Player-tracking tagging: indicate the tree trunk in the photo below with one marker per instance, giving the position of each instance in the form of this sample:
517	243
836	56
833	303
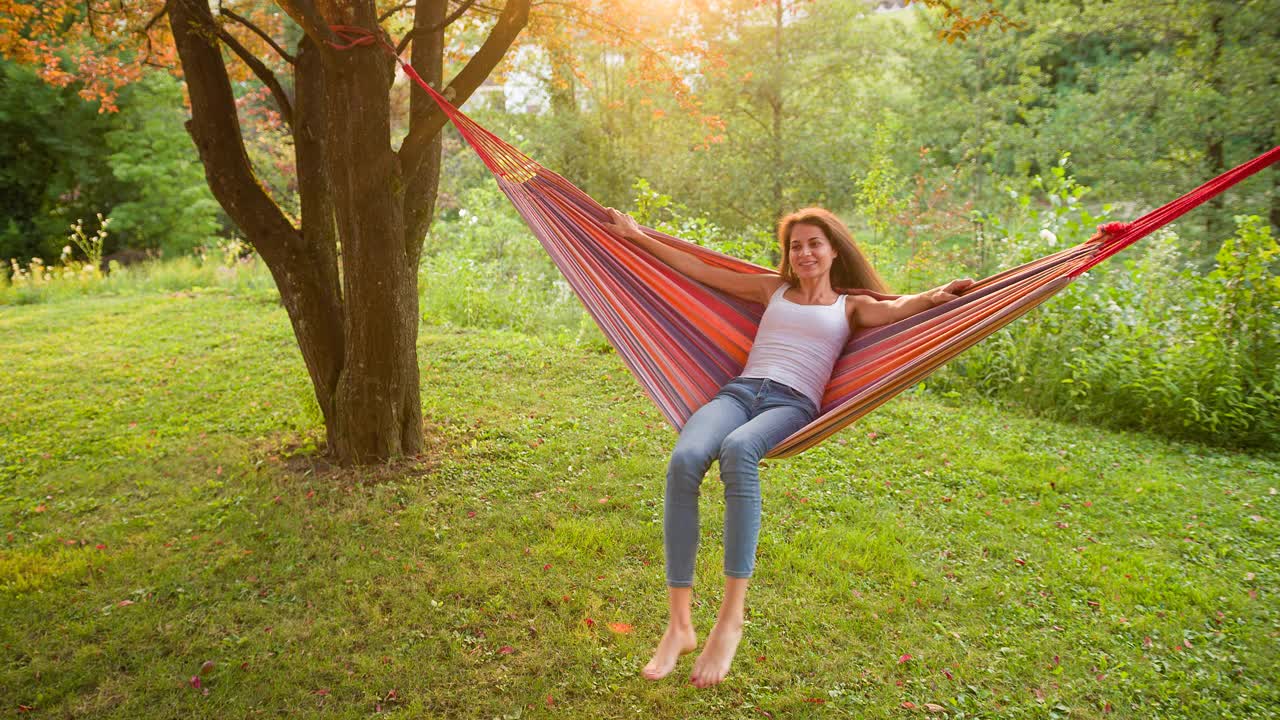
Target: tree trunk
358	338
377	411
775	105
348	275
1214	150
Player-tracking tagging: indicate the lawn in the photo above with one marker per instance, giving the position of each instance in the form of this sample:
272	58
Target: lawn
172	546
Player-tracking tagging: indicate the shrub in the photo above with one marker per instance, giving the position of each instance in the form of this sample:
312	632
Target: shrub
1145	341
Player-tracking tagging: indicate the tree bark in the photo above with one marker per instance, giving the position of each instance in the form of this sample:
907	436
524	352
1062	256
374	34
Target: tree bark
377	412
319	233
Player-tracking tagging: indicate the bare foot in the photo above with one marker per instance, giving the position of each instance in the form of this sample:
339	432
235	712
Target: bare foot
675	642
713	663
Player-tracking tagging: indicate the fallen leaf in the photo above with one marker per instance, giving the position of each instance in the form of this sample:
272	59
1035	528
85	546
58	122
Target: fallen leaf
934	708
195	682
206	667
321	691
506	650
619	627
904	658
909	705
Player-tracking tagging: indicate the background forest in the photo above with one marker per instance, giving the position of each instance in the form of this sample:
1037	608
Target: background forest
708	120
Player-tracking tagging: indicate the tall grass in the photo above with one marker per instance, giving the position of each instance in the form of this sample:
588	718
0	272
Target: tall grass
481	268
36	283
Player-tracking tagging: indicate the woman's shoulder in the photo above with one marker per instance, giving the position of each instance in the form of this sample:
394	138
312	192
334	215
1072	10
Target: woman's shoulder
776	288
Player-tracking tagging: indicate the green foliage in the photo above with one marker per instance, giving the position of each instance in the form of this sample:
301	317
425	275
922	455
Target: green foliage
168	205
1145	340
52	165
482	268
662	213
881	190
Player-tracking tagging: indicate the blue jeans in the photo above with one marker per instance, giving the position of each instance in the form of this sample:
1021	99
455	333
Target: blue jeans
737	426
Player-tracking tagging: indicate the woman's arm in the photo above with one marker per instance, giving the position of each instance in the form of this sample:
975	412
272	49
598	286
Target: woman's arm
869	312
754	287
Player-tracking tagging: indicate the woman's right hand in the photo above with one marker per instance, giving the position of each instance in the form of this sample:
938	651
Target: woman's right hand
622	224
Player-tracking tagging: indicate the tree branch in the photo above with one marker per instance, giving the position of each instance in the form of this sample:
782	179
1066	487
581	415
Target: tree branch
383	17
304	13
264	74
215	128
437	27
259	32
146	33
424	128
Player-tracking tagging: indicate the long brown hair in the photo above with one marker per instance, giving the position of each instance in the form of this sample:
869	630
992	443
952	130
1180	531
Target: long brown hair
849	270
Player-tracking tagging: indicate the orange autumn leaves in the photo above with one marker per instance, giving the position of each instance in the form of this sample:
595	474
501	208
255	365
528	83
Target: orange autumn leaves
102	46
620	628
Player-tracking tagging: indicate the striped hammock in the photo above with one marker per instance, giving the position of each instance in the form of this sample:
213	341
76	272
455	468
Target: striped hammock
683	340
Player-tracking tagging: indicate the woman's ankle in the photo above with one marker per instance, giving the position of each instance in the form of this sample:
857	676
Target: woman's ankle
685	625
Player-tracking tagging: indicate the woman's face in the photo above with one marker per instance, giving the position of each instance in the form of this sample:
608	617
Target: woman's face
810	253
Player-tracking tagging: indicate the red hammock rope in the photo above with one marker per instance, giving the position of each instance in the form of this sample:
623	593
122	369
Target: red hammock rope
683	340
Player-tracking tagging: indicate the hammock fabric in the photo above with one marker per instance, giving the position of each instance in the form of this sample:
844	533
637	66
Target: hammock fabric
683	340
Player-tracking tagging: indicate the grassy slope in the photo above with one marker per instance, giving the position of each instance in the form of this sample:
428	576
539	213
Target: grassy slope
172	429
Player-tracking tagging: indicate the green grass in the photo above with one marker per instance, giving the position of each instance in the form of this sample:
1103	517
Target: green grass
162	508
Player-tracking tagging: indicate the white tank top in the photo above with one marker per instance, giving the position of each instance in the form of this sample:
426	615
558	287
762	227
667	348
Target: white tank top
797	345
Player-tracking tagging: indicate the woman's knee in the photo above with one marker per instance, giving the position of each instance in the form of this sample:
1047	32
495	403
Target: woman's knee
740	451
687	466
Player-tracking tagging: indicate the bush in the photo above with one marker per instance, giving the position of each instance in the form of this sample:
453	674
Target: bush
482	268
1146	341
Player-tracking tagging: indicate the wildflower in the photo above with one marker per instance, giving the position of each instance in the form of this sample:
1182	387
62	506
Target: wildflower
1048	236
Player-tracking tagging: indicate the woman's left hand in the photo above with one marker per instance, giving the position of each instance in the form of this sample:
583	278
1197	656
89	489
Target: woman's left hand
948	292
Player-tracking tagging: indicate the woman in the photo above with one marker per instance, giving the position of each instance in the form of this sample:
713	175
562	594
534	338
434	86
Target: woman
805	326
